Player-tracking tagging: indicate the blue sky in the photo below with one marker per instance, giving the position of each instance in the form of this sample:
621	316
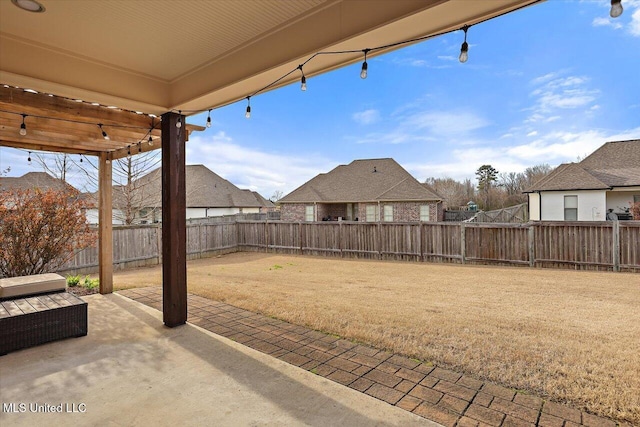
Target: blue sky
547	84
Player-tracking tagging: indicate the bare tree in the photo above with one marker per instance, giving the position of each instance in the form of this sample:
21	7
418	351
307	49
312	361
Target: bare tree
277	195
454	193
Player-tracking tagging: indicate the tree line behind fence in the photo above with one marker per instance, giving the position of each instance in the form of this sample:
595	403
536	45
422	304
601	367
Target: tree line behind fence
608	245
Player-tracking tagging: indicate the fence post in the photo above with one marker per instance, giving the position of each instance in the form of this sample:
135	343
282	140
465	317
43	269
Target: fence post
463	243
159	242
379	240
421	226
340	239
616	246
531	242
301	236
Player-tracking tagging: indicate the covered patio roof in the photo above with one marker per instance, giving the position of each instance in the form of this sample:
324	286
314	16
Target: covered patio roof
120	64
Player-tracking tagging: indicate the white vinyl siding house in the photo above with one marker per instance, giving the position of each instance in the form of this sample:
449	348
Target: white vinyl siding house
582	205
607	181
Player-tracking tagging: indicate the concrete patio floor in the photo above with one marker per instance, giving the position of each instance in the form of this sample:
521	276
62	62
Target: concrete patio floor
131	370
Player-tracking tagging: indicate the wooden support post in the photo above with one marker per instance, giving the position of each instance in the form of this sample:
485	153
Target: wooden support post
531	233
105	227
615	250
174	222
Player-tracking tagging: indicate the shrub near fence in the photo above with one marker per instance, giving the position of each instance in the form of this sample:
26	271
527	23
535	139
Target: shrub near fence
610	245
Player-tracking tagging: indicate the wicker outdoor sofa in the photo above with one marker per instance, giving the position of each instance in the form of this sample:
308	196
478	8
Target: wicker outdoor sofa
37	309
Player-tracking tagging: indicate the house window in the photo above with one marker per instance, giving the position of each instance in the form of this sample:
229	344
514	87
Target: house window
636	198
388	213
570	208
424	213
308	213
372	213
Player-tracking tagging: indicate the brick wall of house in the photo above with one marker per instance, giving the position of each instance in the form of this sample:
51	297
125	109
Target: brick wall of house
402	211
293	212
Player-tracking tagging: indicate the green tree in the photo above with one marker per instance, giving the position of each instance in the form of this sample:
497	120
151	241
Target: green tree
486	176
40	230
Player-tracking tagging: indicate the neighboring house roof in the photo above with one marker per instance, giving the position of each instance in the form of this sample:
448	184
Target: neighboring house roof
362	181
263	202
31	180
204	189
615	164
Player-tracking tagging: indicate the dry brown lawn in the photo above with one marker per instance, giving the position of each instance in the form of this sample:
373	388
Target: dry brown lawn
569	336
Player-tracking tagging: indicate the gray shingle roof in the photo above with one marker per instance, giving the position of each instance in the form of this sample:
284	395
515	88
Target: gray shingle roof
362	181
30	180
615	164
204	189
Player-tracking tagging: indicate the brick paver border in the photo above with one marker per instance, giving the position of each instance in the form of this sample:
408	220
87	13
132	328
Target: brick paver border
447	397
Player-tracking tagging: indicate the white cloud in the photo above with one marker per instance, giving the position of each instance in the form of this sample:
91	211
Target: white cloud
533	133
366	117
606	22
554	92
254	169
552	148
447	58
634	25
445	123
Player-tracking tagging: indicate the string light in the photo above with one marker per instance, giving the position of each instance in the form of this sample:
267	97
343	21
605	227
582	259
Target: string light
616	8
80	158
209	119
29	158
150	140
248	113
365	66
464	49
104	133
303	79
128	152
179	122
23	126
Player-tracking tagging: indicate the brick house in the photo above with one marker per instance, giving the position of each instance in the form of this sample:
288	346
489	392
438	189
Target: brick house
368	190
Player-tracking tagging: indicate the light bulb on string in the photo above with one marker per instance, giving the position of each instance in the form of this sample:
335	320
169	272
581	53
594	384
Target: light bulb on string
80	158
129	152
139	148
23	126
303	79
150	140
248	112
104	134
29	158
209	119
464	49
365	66
179	122
616	8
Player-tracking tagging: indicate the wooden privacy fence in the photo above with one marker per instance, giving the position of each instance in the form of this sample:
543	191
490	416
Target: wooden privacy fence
610	245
